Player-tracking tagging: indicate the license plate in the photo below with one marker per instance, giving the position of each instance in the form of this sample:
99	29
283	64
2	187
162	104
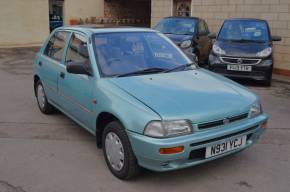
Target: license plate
226	146
239	68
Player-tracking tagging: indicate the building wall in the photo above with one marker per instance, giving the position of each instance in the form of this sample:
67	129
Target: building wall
277	12
160	9
26	22
23	22
76	9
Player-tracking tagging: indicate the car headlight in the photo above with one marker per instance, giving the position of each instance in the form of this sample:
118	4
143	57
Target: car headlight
265	53
256	110
185	44
217	50
163	129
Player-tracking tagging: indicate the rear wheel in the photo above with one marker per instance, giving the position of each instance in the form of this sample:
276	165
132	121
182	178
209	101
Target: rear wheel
118	153
42	102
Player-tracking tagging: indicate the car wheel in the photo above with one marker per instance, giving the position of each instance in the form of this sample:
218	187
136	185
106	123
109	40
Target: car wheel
118	152
42	102
268	81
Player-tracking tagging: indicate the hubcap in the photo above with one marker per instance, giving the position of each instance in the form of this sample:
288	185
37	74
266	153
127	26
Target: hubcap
114	151
40	96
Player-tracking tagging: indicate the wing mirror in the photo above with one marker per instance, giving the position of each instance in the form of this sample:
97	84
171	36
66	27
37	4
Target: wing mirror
78	68
276	38
212	36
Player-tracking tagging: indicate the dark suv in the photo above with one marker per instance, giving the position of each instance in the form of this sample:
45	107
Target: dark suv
244	49
190	34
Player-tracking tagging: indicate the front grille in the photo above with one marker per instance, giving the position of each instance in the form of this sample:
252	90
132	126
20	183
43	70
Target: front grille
245	61
222	121
226	136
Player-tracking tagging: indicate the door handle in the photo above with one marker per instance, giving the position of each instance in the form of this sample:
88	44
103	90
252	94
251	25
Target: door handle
62	75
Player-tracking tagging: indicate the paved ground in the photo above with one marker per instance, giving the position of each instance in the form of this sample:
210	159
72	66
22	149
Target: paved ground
41	153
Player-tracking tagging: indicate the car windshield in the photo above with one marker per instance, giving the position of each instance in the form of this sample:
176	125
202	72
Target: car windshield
244	31
178	26
122	53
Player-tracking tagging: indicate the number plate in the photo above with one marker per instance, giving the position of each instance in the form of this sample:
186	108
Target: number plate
239	68
226	146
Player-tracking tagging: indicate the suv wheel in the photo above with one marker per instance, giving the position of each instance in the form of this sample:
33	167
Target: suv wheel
118	152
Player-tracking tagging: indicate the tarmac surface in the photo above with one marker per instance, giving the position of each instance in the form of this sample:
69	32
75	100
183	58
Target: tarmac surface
40	153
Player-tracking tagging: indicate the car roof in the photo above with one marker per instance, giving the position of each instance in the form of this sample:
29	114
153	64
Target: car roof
180	17
100	28
245	19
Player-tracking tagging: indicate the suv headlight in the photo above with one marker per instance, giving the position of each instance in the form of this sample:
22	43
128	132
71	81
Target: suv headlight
265	53
185	44
255	110
217	50
163	129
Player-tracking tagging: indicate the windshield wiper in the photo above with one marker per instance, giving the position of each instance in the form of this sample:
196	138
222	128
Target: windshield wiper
179	67
246	40
143	71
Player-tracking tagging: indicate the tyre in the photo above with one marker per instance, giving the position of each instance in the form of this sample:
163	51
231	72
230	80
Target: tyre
42	102
118	153
267	82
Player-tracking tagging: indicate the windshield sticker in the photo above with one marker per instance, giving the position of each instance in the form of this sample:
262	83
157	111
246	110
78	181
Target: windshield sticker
163	55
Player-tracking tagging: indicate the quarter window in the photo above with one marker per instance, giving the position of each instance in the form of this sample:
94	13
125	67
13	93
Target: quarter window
78	51
55	46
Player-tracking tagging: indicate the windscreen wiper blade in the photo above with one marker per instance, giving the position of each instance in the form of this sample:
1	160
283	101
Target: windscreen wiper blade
179	67
143	71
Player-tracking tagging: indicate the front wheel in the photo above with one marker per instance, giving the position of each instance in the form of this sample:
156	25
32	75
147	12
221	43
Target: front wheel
118	152
42	102
268	81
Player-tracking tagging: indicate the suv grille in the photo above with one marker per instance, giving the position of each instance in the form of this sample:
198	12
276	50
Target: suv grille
222	121
246	61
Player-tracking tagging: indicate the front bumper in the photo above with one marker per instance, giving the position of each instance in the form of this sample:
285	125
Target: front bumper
260	72
146	148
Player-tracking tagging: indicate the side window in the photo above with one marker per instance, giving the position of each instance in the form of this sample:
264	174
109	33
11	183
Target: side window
55	46
202	28
78	50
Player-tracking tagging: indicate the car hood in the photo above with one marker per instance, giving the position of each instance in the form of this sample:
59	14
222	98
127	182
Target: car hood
178	39
242	49
197	95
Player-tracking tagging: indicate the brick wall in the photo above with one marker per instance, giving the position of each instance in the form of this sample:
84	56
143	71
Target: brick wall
160	9
277	12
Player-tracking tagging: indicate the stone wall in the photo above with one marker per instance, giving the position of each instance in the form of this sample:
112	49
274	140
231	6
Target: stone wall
277	12
128	9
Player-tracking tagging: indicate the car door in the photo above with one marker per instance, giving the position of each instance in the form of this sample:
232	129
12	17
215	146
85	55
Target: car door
51	63
203	41
76	90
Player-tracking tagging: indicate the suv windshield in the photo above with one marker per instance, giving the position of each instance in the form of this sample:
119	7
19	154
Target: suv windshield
178	26
131	53
244	31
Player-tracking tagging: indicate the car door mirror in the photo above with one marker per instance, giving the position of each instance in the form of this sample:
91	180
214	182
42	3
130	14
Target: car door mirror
77	68
276	38
212	36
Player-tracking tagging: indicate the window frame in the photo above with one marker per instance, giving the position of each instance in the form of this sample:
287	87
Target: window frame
68	46
61	61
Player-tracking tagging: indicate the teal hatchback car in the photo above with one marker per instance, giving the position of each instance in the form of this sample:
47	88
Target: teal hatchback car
146	103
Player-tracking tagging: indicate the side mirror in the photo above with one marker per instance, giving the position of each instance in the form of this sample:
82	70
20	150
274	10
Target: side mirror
77	68
276	38
212	36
